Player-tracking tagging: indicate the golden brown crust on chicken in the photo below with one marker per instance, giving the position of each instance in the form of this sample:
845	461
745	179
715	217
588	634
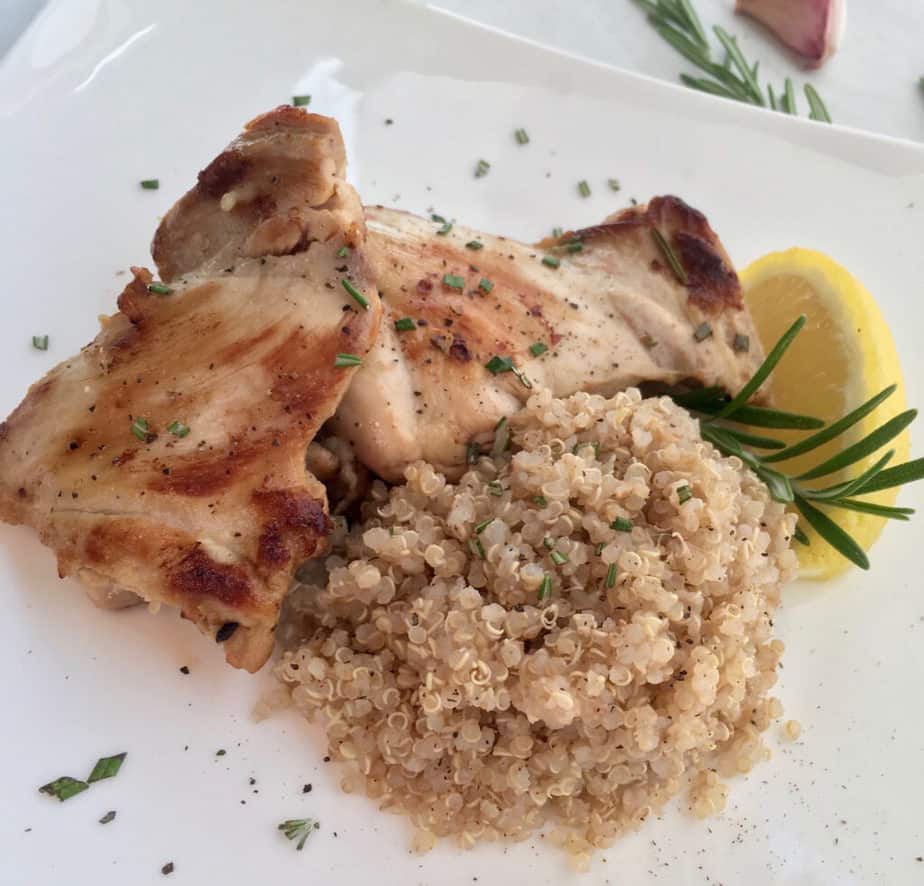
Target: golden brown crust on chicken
242	352
612	314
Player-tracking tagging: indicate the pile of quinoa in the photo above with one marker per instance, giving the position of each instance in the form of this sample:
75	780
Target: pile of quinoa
576	631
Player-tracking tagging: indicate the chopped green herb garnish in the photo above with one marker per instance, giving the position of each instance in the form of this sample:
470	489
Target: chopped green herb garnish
540	500
684	494
356	294
472	453
557	232
741	342
537	349
220	752
140	429
558	558
599	548
496	365
107	767
445	229
550	261
64	787
501	437
453	281
484	524
611	575
583	188
622	524
482	168
614	184
299	829
545	588
474	244
150	184
548	543
476	547
702	332
495	488
437	218
159	289
40	342
178	429
301	101
670	256
405	324
347	360
485	285
576	246
521	136
343	252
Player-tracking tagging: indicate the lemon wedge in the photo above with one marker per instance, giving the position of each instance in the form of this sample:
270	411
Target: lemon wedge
843	356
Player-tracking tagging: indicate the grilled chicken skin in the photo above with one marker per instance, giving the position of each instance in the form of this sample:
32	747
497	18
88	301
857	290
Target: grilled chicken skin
599	310
167	459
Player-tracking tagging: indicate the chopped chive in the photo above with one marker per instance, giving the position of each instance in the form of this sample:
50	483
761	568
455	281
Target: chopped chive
583	188
622	524
741	343
482	168
474	244
670	256
159	288
496	365
301	101
557	232
64	787
550	261
614	184
548	543
599	548
521	136
107	767
538	348
684	494
453	281
577	246
484	524
437	218
702	332
647	340
501	438
347	360
540	500
343	252
40	342
150	184
545	588
558	558
298	829
139	428
476	547
495	488
445	229
178	429
472	453
405	324
357	295
611	575
485	285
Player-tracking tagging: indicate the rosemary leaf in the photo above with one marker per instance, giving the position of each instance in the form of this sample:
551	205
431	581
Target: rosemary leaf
832	533
817	109
779	485
909	472
748	74
799	535
868	507
850	487
754	440
764	417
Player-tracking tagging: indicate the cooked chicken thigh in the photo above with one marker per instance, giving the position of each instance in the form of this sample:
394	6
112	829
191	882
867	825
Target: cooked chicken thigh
598	310
167	458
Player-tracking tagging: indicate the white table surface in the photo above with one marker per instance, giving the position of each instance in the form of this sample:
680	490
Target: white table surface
871	83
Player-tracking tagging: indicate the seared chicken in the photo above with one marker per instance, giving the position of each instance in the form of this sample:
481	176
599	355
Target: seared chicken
597	310
167	459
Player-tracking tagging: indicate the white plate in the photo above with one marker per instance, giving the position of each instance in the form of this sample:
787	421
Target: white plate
101	93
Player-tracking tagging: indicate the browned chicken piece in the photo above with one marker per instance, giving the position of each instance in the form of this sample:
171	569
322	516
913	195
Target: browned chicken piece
167	458
597	310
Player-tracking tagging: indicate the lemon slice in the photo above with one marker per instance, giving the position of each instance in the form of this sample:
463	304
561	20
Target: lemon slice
843	356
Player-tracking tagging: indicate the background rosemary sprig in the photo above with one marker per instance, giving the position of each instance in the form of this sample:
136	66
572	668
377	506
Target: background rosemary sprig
734	77
720	413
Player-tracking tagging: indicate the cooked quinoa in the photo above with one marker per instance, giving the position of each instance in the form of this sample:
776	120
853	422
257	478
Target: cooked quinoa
577	630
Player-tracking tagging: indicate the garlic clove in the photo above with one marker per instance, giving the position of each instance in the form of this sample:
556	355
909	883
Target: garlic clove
812	28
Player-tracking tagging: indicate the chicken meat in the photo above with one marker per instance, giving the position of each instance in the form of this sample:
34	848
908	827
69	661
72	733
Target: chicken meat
166	460
648	296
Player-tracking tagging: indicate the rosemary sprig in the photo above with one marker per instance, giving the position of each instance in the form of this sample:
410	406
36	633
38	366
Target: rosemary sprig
678	24
715	406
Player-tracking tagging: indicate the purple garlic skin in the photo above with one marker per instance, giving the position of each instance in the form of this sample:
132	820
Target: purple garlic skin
812	28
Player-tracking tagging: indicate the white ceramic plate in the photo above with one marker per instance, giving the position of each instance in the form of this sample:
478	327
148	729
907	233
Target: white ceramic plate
101	93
